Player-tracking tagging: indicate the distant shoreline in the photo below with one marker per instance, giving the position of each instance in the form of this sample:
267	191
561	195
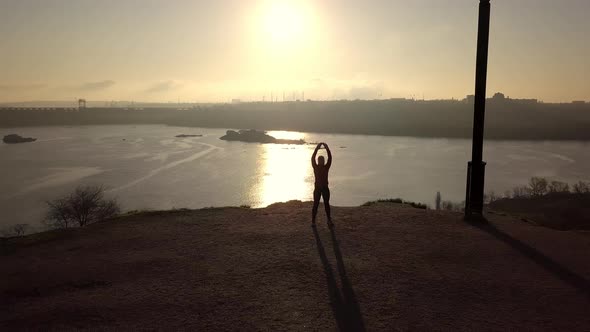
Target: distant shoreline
504	121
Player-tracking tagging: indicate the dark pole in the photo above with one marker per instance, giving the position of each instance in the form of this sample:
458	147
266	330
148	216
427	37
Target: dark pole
476	168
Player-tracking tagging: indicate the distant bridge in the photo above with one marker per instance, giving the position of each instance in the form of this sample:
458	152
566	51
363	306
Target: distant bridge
29	108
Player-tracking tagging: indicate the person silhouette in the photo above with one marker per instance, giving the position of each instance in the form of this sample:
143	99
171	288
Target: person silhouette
320	171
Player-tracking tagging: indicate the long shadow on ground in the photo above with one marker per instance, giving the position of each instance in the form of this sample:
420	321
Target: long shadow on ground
345	307
560	271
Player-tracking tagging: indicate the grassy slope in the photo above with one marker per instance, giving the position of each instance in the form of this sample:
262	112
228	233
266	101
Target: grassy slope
384	267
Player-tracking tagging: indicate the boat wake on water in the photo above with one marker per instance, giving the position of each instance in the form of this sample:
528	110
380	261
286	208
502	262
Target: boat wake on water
168	166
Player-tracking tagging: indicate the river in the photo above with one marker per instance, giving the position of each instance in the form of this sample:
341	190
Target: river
147	167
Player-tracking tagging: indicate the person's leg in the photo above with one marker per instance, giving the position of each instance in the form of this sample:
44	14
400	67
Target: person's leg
326	196
316	203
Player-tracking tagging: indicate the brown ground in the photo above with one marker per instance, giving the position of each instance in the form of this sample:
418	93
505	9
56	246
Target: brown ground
384	267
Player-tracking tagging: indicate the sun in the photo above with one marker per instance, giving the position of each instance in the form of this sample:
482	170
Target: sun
282	40
285	23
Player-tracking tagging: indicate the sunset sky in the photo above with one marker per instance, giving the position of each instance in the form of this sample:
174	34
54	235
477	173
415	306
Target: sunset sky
213	51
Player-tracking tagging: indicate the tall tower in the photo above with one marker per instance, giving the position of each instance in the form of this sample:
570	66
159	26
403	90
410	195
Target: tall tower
81	104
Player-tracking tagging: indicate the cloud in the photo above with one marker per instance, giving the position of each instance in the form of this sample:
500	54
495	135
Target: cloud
164	86
17	87
100	85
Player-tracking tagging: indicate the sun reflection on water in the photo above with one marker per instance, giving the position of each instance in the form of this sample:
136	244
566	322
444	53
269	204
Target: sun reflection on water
284	171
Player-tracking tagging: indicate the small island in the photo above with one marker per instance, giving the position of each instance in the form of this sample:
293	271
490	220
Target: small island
14	139
188	135
254	136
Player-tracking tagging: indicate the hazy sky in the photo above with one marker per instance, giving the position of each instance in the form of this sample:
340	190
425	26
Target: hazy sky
156	50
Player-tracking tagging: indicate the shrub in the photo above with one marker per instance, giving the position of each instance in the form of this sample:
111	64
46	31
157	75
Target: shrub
15	230
537	186
452	206
387	200
447	205
391	200
558	187
397	200
86	205
20	229
417	205
490	197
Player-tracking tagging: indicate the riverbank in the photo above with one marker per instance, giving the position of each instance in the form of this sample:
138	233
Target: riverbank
383	267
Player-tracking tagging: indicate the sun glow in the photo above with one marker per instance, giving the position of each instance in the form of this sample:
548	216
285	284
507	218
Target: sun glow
285	171
282	44
286	24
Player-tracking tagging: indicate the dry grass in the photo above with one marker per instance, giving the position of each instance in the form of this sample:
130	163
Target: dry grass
562	211
384	267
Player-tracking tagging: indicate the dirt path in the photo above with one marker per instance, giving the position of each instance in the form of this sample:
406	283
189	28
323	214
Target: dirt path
384	267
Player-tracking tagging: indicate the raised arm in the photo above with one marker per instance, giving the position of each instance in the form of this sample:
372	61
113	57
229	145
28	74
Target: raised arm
315	152
329	163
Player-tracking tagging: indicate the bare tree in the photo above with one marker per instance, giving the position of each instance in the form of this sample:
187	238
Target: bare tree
581	187
558	187
59	214
84	206
520	192
538	186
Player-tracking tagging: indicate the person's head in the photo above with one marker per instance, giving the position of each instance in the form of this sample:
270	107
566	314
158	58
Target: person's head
321	160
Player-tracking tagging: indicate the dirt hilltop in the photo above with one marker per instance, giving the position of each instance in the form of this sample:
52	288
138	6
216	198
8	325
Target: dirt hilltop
383	267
